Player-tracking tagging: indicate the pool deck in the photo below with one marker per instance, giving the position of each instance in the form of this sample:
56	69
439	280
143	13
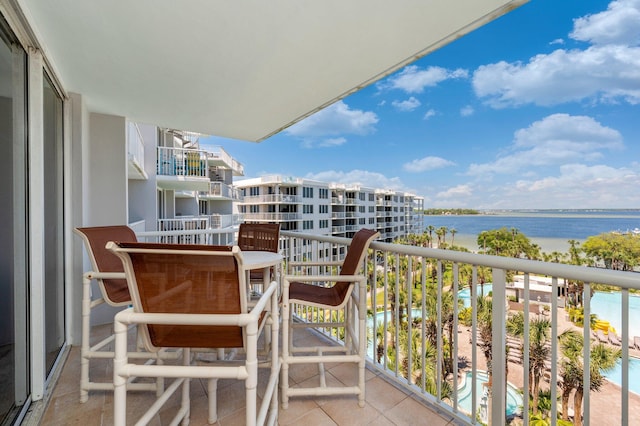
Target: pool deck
605	405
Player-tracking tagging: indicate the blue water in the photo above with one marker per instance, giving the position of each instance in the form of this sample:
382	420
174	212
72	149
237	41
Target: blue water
615	376
576	225
514	398
608	306
465	293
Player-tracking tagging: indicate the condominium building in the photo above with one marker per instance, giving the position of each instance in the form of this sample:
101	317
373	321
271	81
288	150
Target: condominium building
322	208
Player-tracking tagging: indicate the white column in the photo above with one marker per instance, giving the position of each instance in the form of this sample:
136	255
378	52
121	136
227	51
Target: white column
36	222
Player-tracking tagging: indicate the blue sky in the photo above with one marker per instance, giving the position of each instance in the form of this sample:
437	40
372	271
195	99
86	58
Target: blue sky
538	109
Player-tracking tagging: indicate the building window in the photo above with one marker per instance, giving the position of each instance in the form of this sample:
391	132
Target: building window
361	196
307	192
324	208
324	224
254	191
307	209
307	224
323	193
362	221
361	209
254	209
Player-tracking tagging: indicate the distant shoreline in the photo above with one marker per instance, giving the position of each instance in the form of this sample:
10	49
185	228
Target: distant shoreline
547	245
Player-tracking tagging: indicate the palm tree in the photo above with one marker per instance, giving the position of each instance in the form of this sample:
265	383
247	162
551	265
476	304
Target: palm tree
431	228
539	350
453	233
603	358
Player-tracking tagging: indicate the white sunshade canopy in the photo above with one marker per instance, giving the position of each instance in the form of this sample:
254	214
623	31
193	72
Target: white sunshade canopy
242	69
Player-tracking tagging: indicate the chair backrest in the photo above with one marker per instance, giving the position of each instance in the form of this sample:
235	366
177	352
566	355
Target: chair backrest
185	279
353	260
259	236
114	291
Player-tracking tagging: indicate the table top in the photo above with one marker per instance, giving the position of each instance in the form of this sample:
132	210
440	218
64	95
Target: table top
260	259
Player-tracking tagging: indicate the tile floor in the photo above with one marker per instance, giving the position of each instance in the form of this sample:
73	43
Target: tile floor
385	404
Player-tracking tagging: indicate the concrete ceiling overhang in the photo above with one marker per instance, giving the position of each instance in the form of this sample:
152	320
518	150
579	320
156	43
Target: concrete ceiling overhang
240	69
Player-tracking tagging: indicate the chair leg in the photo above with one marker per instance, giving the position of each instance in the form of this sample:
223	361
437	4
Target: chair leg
119	382
212	390
86	331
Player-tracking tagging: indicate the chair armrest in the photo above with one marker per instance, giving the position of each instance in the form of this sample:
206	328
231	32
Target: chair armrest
93	275
261	303
328	263
324	278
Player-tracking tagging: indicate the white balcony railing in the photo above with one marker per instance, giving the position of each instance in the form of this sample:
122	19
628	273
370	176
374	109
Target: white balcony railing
272	217
404	273
222	190
135	145
181	162
272	199
416	292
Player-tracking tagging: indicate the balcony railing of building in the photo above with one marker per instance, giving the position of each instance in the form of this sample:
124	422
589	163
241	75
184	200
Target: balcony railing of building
181	162
222	190
220	221
135	148
272	217
218	153
417	292
272	199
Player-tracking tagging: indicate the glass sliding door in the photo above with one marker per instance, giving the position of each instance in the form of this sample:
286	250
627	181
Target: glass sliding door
54	222
14	337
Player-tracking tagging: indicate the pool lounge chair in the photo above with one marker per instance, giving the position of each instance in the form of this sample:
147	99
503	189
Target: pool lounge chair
614	339
601	337
636	342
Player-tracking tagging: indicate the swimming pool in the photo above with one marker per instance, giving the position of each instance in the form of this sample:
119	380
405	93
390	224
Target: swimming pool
514	398
465	294
608	306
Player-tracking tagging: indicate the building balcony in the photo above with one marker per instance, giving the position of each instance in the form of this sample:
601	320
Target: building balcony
221	191
217	157
272	217
419	377
182	169
272	199
135	153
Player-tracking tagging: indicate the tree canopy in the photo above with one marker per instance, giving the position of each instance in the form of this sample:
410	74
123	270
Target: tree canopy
507	242
615	250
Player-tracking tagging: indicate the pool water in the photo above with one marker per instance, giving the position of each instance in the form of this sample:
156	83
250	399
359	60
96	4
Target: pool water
608	307
465	294
514	398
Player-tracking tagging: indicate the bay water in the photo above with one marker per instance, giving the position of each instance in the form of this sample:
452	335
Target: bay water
550	229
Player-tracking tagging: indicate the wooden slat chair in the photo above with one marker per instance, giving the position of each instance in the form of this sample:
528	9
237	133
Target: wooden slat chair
259	237
348	295
107	270
194	297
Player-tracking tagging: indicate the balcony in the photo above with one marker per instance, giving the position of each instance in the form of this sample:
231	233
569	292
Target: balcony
424	377
135	153
217	157
182	169
221	191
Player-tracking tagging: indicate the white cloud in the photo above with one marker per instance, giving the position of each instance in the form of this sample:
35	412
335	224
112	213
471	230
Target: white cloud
336	119
466	111
619	24
455	192
430	113
324	143
604	74
581	186
557	41
406	105
412	79
554	140
359	177
426	164
606	71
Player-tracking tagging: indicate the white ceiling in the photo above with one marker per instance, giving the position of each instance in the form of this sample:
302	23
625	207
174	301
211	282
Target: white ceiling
242	69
